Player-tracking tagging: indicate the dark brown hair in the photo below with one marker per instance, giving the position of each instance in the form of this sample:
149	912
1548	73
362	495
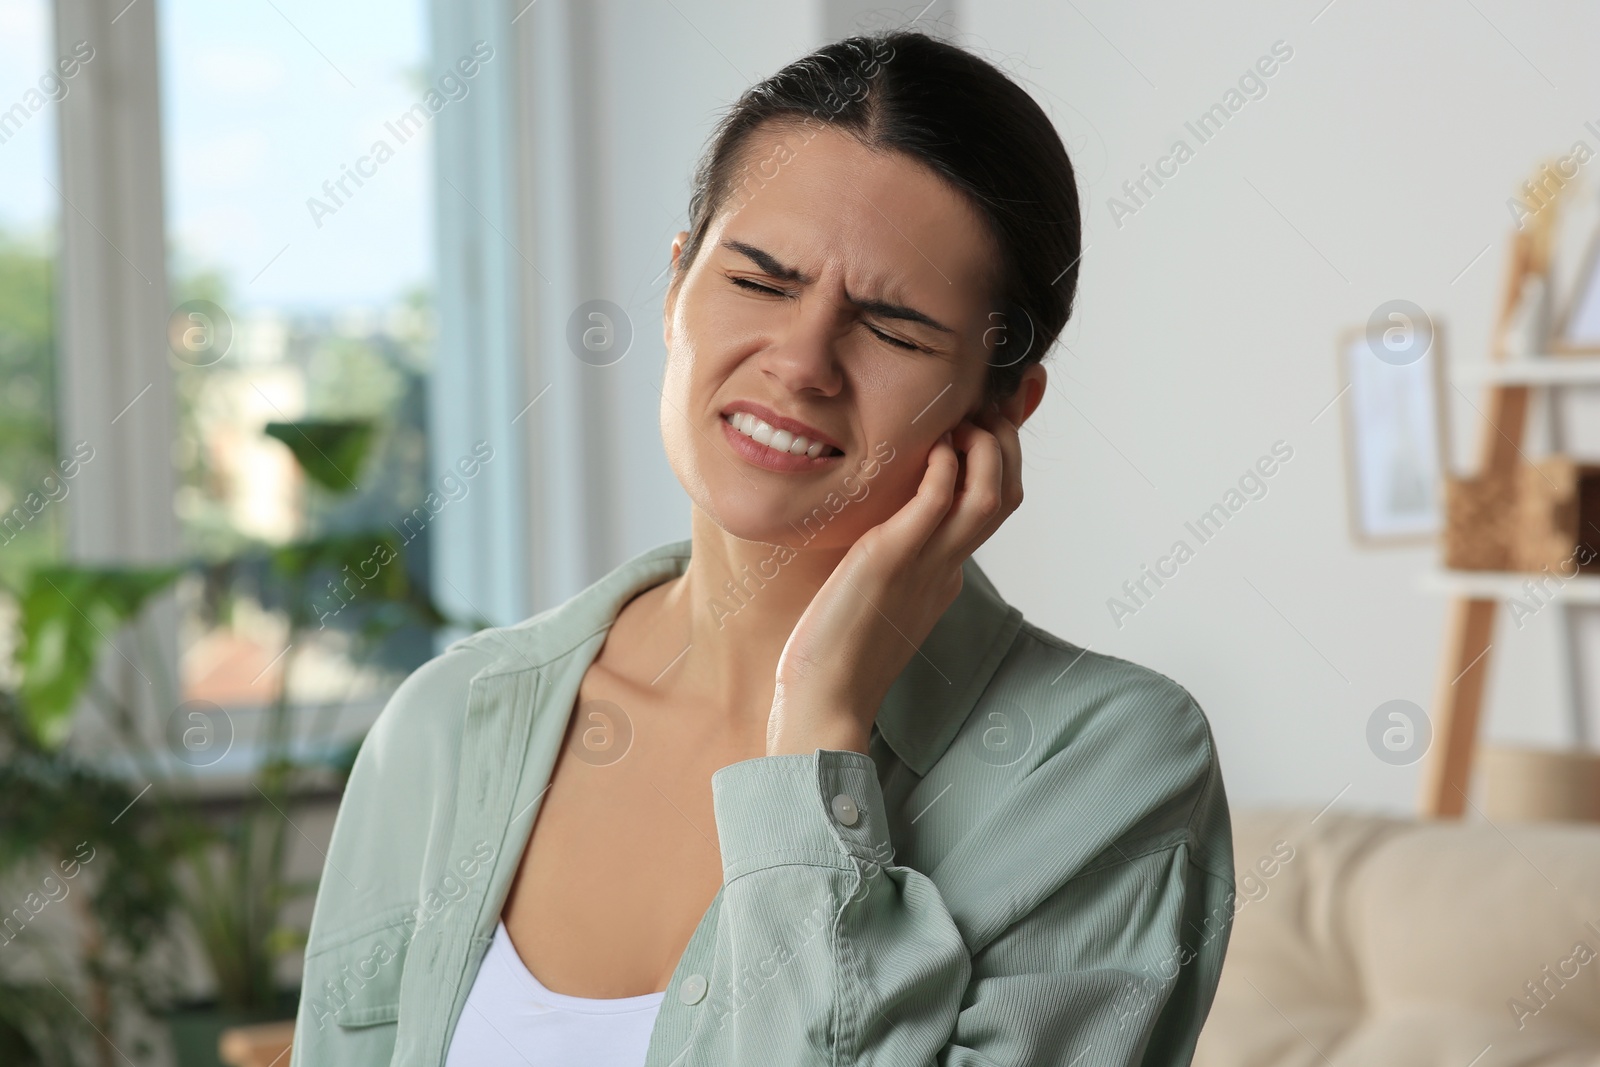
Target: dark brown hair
957	114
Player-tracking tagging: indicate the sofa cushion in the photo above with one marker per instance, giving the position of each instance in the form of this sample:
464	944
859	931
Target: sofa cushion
1369	939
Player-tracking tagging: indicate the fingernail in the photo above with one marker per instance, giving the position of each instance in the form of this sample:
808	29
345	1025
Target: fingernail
947	438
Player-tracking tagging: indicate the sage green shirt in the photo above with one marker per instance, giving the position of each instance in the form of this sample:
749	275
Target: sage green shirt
1032	866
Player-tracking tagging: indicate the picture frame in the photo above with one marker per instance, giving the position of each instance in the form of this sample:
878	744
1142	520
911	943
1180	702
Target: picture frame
1396	442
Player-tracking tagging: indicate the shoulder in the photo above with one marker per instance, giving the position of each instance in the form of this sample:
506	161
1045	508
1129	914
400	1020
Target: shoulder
427	707
409	760
1075	683
390	805
1075	767
1123	738
401	791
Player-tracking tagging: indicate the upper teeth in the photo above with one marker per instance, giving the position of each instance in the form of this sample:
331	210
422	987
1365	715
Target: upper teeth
782	440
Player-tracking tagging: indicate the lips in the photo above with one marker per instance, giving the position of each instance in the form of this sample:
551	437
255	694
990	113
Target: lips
768	458
794	427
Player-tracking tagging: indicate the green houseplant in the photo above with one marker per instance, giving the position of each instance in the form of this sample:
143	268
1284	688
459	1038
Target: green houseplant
229	881
72	838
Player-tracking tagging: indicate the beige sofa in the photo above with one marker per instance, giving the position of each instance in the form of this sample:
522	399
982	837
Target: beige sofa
1363	939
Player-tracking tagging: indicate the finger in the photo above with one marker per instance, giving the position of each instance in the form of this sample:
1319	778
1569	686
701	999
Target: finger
1010	438
909	528
978	506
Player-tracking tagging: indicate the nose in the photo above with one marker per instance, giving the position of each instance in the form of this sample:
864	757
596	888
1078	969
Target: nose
804	358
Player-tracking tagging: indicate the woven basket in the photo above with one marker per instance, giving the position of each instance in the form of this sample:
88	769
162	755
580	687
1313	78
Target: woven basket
1545	530
1479	516
1542	514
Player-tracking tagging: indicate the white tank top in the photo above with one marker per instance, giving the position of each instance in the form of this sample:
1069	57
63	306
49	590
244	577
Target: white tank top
511	1020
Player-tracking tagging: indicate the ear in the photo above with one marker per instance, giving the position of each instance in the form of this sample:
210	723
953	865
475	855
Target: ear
1025	399
667	305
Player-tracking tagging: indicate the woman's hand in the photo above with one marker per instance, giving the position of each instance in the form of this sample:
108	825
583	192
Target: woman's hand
882	600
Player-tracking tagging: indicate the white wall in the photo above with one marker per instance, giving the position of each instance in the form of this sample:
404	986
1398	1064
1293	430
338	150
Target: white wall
1390	142
1377	166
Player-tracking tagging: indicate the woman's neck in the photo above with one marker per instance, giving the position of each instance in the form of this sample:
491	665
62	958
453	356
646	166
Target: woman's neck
737	602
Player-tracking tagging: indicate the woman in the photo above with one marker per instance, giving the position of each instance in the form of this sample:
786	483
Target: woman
803	789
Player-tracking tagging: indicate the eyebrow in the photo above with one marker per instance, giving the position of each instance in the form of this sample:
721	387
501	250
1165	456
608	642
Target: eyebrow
772	268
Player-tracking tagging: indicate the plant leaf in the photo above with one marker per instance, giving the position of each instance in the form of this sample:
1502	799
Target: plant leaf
365	568
68	612
331	452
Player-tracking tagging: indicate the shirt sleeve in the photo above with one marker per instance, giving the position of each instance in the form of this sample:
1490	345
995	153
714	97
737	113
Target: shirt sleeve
828	937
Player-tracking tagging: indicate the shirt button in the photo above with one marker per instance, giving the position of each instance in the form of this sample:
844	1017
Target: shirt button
845	810
692	990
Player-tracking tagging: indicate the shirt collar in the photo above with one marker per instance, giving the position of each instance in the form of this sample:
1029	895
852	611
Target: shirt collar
919	718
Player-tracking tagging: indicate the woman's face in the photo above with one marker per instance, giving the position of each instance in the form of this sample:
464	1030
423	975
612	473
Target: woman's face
843	295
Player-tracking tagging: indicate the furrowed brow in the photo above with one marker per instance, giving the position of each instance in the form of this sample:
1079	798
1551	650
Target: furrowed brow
883	309
898	311
767	262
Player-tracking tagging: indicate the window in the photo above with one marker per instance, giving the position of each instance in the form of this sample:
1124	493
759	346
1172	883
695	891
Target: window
30	484
301	274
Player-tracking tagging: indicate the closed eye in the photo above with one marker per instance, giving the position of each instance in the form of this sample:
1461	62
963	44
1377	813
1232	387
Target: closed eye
893	340
757	287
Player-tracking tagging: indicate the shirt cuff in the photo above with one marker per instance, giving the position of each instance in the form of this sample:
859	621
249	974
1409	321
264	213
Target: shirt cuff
822	809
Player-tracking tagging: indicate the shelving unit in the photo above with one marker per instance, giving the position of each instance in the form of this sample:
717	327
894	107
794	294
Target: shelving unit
1477	595
1540	370
1506	585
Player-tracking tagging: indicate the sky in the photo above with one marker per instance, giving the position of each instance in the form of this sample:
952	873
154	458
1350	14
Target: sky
262	102
27	158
